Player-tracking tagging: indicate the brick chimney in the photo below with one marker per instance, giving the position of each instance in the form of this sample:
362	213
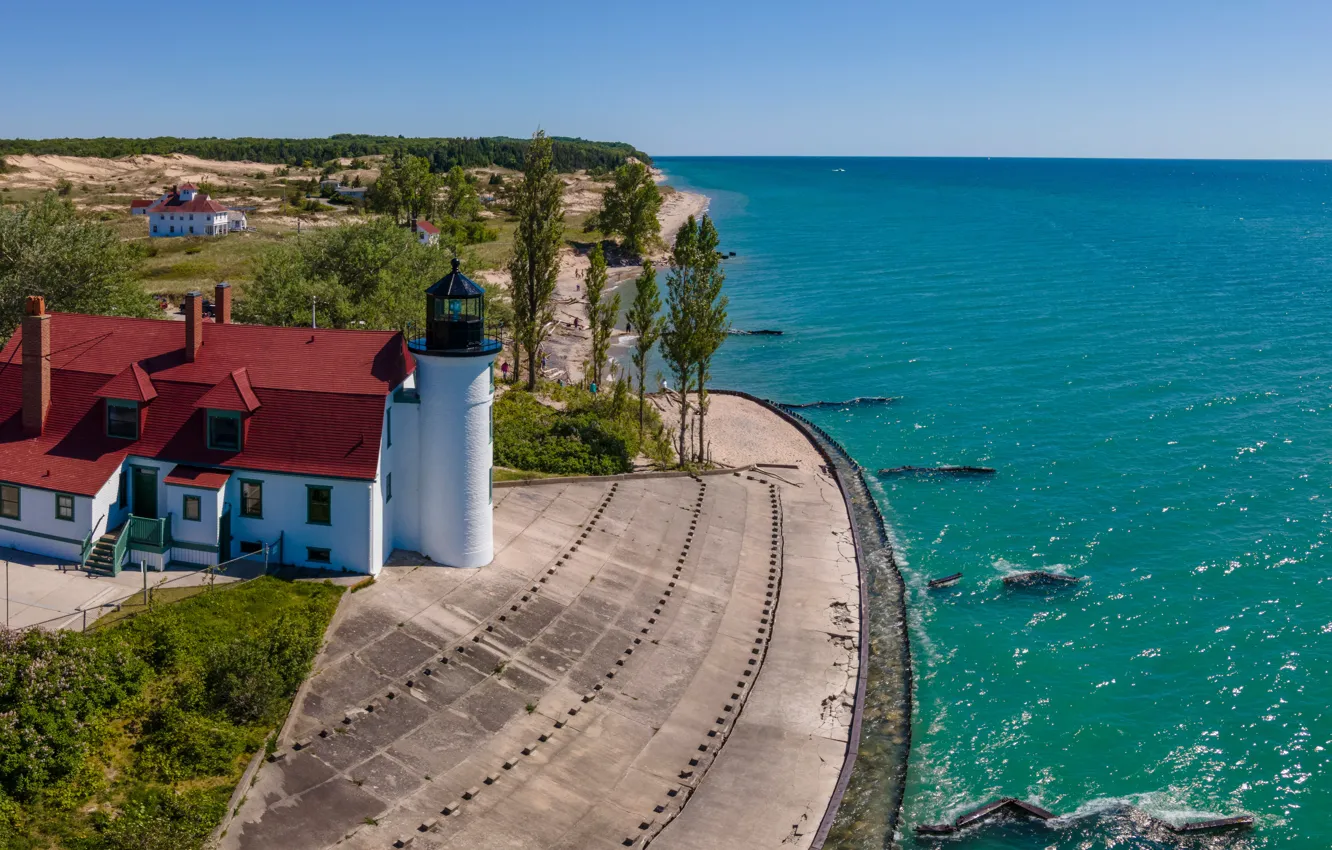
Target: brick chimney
193	310
36	366
222	303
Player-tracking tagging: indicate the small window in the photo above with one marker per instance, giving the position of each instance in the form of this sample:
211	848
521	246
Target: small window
122	419
189	508
65	507
154	228
9	501
492	424
249	547
388	488
491	497
389	428
319	505
224	430
252	499
318	556
191	226
492	378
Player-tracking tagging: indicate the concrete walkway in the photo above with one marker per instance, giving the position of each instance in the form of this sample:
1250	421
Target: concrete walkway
52	594
668	661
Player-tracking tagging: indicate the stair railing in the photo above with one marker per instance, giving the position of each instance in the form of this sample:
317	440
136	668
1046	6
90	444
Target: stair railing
121	552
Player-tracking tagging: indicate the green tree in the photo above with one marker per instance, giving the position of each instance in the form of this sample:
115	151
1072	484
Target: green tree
697	320
77	264
539	208
629	208
646	323
406	188
460	198
601	312
372	272
710	307
678	338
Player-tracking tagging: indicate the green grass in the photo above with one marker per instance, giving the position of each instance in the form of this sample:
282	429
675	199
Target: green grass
503	473
140	785
134	605
493	255
177	265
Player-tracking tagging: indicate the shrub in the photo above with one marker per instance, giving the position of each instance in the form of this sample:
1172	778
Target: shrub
583	439
249	677
159	819
179	744
54	692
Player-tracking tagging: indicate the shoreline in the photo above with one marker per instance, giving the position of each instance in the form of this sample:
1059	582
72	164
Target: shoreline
567	348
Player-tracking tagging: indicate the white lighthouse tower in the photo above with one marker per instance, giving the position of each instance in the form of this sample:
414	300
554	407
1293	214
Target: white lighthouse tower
455	380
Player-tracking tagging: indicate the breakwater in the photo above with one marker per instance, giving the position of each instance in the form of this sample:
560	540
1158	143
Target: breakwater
864	811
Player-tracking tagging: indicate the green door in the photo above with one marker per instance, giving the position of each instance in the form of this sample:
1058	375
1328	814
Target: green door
145	493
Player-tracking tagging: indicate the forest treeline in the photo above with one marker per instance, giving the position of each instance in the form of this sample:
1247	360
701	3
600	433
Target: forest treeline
443	154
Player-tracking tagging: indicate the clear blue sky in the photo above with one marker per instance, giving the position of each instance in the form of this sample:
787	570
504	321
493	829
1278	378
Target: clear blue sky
1134	78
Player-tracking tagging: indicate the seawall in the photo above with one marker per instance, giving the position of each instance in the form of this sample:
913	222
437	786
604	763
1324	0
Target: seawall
863	813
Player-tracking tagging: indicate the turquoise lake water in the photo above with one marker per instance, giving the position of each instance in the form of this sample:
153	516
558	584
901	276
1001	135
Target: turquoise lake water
1142	350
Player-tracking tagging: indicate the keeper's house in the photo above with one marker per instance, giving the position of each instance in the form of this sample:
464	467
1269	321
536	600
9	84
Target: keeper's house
137	439
186	212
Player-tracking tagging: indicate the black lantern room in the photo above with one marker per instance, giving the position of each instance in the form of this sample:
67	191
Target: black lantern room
456	316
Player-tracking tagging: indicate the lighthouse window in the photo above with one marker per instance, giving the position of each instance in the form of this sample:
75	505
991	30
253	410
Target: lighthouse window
455	308
319	505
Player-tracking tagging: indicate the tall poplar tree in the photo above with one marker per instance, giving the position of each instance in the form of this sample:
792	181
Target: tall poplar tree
538	205
644	321
601	312
678	339
710	311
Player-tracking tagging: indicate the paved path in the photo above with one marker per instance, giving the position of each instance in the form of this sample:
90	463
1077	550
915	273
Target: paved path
668	661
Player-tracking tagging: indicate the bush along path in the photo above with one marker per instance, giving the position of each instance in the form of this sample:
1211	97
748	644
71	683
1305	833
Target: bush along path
133	735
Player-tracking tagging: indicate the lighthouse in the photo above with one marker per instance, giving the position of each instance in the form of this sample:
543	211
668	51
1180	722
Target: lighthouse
455	381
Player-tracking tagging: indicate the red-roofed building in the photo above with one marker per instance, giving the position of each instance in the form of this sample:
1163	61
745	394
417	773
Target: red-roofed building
205	439
426	232
185	211
140	207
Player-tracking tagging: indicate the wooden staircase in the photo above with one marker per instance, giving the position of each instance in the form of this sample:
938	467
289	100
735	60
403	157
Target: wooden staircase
103	552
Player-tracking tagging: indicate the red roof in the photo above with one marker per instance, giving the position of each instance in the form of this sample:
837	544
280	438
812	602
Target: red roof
423	225
174	203
320	397
194	476
185	186
132	384
231	393
134	205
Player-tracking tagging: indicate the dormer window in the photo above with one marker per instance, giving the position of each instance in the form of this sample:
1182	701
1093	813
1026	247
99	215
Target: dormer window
224	430
122	419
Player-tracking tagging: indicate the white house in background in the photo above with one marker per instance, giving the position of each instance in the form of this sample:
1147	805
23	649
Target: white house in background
184	211
140	207
426	232
236	220
133	439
